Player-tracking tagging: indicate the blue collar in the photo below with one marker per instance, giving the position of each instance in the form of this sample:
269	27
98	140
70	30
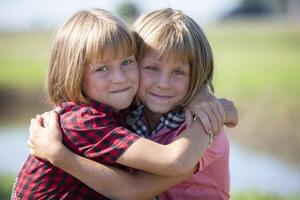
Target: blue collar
171	120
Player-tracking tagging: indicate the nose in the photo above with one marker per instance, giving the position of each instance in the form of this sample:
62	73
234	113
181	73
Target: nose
118	76
163	81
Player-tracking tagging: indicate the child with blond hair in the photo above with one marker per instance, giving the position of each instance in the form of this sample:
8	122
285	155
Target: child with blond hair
175	61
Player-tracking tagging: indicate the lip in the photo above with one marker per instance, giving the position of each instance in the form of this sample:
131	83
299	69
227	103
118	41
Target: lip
160	97
120	90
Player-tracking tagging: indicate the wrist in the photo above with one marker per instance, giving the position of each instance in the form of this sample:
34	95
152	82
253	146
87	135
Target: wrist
57	154
210	134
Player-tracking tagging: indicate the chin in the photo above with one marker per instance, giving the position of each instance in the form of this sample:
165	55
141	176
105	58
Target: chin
161	110
122	106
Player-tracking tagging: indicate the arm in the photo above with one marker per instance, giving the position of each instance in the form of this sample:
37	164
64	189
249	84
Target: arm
213	112
174	159
231	112
112	182
115	183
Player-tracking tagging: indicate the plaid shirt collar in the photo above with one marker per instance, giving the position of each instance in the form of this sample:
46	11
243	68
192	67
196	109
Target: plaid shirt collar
170	120
100	107
91	103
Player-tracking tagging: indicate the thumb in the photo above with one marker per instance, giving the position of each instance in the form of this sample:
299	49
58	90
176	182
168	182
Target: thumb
53	119
188	117
38	121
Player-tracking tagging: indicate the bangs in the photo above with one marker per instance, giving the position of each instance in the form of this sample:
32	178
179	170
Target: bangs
170	44
109	39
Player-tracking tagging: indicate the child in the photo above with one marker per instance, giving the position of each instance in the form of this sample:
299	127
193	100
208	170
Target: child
175	60
93	74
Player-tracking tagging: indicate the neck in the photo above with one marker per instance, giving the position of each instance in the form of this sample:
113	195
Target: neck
152	118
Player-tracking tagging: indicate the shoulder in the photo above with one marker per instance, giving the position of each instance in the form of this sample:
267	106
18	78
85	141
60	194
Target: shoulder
73	114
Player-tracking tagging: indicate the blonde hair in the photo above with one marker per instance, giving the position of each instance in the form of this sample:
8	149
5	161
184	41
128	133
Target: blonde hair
173	34
84	38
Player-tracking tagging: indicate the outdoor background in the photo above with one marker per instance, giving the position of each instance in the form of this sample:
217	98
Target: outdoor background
256	45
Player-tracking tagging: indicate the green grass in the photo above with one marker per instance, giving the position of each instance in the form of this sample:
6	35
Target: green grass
6	184
24	59
251	58
253	195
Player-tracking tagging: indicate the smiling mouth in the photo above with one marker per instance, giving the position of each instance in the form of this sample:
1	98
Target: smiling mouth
121	90
160	96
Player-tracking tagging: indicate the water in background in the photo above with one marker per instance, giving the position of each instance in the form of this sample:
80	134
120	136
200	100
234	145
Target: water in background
249	170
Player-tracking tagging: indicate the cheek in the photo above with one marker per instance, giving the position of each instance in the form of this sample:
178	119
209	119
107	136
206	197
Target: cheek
182	86
145	84
145	80
134	75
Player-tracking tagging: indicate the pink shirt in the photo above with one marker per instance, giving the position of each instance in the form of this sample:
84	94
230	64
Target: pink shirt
211	182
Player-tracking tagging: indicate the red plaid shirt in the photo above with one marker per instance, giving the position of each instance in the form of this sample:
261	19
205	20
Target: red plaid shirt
91	131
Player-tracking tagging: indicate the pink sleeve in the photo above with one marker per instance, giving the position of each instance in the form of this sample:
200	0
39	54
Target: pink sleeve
215	151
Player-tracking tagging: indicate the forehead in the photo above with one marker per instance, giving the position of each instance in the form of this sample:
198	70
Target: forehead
157	57
111	54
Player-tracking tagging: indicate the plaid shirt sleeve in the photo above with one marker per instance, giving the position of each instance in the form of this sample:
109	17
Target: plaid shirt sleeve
95	135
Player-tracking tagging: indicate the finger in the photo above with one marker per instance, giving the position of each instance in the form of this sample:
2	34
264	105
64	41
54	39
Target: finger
57	109
47	119
35	125
29	143
31	152
39	120
217	114
188	117
44	115
53	119
212	119
32	124
205	121
233	121
221	111
33	129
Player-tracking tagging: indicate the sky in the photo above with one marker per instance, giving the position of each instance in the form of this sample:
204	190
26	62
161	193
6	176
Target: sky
26	15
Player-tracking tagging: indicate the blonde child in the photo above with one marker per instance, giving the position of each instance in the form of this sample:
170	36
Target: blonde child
175	60
92	76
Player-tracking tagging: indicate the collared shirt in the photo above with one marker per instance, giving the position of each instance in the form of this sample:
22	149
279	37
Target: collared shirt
171	120
211	181
92	131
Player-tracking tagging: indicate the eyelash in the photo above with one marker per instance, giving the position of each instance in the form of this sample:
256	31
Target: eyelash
127	62
152	68
102	69
156	69
179	72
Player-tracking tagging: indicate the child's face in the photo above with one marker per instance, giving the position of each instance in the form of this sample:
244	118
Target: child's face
163	83
112	82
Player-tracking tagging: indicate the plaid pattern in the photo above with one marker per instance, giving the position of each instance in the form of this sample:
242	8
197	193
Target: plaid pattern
171	120
137	121
88	130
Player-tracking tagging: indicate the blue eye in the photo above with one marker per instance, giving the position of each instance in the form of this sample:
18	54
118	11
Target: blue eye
102	69
152	68
127	62
179	72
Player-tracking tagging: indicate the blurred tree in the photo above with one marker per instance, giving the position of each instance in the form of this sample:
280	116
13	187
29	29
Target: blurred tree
129	11
248	8
290	7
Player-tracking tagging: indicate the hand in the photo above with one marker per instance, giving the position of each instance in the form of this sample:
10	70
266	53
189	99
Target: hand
231	112
209	110
45	136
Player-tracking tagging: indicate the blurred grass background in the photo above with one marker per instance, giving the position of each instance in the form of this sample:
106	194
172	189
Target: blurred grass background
257	66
